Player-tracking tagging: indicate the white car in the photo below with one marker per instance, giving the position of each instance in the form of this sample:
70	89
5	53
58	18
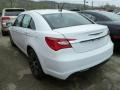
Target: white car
118	13
9	15
60	43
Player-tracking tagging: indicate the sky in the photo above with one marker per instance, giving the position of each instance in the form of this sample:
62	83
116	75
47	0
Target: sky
96	2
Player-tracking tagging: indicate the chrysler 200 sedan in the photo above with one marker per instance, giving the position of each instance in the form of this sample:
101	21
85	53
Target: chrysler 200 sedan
60	43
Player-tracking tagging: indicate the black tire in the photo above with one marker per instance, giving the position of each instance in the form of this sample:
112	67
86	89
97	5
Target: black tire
12	43
35	65
3	33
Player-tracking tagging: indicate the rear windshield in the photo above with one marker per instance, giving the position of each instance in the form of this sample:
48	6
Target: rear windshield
13	12
61	20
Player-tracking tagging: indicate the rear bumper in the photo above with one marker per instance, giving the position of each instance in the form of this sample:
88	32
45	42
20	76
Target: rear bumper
4	30
79	62
4	27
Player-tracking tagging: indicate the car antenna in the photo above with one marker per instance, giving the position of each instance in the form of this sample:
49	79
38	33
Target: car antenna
61	6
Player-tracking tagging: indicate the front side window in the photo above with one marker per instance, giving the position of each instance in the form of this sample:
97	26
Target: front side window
61	20
18	21
26	21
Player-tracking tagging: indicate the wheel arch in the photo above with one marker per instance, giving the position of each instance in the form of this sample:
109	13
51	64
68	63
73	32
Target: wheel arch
28	48
41	61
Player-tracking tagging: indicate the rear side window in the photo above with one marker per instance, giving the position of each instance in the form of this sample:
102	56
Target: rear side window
26	21
97	17
61	20
111	16
32	25
90	16
18	21
13	12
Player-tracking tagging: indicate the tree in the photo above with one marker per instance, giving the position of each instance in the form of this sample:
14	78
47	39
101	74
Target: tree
12	3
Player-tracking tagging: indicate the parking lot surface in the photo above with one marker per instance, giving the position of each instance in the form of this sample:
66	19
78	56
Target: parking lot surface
16	75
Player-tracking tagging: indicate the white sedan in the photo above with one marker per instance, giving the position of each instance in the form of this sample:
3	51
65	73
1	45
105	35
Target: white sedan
60	43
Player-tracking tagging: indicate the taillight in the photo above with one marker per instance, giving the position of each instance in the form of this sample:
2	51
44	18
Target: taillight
116	37
5	18
58	43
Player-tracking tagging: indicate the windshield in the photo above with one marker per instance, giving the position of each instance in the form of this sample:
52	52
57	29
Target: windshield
61	20
112	16
13	12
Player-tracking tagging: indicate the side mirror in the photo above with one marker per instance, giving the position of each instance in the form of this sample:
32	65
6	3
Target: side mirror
9	24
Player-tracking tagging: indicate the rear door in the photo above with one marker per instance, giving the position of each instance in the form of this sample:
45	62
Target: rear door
22	33
16	28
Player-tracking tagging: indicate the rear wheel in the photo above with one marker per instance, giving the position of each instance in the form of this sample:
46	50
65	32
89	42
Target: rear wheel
35	64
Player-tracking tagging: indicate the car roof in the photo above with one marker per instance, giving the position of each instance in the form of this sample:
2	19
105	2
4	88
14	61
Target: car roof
50	11
95	11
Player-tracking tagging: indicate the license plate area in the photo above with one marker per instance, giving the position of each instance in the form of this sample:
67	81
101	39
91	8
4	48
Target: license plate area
89	45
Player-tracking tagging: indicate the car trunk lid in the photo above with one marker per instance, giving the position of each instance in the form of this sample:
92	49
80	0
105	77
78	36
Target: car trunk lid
87	37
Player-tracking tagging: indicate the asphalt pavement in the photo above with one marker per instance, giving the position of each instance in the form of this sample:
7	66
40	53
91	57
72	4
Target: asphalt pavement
15	74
